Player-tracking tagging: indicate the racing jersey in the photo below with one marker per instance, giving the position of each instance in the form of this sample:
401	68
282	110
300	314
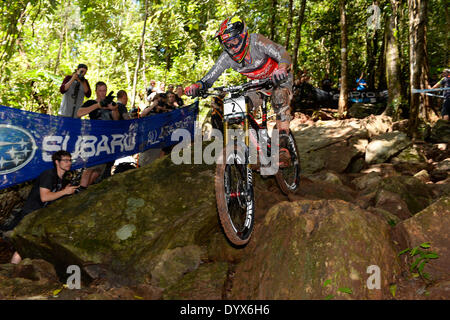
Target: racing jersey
265	55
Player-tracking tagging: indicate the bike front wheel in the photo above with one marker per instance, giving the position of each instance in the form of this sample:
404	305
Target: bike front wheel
234	196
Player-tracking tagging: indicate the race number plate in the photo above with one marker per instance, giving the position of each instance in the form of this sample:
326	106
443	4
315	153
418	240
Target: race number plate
234	107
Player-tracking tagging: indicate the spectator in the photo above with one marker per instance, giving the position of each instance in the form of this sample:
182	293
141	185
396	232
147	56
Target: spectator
326	84
157	88
157	105
72	95
151	88
95	109
134	113
162	88
445	83
122	100
169	88
103	108
179	91
361	84
47	188
172	101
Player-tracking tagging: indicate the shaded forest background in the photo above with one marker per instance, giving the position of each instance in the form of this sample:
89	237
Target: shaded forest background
128	42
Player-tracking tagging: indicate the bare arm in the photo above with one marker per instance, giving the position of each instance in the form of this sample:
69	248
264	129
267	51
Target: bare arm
147	110
438	84
84	111
114	111
87	88
48	195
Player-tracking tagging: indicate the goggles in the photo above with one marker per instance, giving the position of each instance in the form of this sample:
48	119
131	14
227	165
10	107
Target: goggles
232	43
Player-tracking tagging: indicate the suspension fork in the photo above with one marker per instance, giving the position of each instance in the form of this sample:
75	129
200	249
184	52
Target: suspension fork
264	112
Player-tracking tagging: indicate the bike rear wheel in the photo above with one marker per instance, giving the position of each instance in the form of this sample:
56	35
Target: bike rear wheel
234	196
288	178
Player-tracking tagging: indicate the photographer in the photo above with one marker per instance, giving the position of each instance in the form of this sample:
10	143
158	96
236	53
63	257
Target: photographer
74	88
47	188
103	108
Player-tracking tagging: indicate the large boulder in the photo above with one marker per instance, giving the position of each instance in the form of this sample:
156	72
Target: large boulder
315	250
336	145
410	161
416	194
327	147
402	196
363	110
440	132
432	225
142	226
205	283
441	170
384	146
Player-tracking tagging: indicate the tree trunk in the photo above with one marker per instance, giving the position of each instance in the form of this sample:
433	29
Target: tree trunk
417	20
447	18
136	71
144	78
61	37
301	15
127	73
372	50
380	77
343	95
393	67
289	25
273	16
425	110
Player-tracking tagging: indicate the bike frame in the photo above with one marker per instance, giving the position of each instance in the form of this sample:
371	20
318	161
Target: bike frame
249	122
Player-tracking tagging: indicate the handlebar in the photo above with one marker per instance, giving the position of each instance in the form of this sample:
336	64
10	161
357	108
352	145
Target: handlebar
252	85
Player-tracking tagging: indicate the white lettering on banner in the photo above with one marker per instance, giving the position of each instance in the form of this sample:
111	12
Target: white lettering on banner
50	144
167	131
88	146
117	142
103	146
85	147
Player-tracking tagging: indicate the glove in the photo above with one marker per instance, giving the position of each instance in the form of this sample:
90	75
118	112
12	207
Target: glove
109	98
279	75
193	89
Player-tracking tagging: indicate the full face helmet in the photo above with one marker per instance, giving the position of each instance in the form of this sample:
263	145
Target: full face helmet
233	36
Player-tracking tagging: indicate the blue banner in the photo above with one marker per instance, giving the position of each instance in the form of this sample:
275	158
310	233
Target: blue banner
28	139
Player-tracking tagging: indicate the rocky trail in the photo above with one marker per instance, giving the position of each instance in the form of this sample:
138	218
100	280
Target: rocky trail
367	193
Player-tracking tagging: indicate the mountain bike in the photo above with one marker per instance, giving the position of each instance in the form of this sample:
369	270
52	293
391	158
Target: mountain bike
247	146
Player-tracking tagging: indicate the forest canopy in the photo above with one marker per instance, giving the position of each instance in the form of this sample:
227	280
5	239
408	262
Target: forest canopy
44	40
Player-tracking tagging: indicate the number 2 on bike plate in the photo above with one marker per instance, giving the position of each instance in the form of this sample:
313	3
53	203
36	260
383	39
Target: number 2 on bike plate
234	106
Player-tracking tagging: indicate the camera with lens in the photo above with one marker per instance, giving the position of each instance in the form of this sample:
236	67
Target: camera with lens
81	76
73	177
108	100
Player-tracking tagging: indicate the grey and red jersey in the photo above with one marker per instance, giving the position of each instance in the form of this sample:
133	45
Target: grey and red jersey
265	55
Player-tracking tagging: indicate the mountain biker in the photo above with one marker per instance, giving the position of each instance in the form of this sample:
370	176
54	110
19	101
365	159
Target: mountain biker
256	57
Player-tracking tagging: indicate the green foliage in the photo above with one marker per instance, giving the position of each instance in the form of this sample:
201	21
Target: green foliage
43	40
329	282
420	259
